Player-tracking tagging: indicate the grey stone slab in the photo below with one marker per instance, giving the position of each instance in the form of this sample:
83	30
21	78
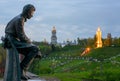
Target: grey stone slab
36	80
33	77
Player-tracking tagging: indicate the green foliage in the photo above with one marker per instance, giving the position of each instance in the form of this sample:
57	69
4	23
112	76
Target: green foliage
45	70
105	52
2	54
72	47
45	48
116	41
74	50
81	69
2	60
56	48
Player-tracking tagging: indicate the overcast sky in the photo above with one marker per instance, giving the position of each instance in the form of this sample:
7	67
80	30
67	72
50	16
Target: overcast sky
72	18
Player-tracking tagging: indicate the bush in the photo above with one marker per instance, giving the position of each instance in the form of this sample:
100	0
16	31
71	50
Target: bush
45	70
45	49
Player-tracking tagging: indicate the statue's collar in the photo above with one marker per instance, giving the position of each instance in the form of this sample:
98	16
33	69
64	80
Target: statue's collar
24	16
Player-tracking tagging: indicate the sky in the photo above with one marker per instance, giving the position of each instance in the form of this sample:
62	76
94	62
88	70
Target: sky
72	18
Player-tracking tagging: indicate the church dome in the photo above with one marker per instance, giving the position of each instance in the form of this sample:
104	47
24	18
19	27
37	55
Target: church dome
54	30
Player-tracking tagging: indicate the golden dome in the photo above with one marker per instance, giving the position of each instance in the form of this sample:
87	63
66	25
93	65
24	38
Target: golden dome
54	30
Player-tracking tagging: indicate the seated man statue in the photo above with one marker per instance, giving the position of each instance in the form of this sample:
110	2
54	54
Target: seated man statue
15	32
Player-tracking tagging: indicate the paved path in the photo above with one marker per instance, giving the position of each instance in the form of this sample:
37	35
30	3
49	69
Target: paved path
32	80
32	76
37	78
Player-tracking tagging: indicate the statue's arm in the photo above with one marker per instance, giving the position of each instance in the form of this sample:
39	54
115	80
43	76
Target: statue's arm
20	31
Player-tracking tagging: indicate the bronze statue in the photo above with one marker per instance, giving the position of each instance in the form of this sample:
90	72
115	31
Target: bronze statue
17	41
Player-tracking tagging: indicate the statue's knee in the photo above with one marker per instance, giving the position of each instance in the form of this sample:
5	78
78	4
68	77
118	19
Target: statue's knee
35	49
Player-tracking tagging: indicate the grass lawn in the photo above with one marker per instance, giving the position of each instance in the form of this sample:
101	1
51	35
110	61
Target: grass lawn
67	76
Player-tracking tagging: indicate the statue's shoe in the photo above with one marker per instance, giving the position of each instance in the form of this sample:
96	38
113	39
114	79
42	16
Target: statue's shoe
39	55
24	77
28	77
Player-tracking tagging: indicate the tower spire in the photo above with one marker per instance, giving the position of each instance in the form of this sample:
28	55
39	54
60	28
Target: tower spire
54	37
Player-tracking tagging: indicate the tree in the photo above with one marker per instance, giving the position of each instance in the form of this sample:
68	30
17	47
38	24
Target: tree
90	42
116	41
95	39
108	41
78	40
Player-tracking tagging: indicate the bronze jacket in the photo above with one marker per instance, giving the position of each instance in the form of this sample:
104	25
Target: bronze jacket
16	28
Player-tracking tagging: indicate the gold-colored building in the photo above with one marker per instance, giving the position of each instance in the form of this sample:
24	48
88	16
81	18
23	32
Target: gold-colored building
98	38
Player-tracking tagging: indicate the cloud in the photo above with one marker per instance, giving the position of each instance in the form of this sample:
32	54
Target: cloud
38	32
72	18
38	19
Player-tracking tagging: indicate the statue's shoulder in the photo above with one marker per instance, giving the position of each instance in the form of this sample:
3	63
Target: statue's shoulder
20	18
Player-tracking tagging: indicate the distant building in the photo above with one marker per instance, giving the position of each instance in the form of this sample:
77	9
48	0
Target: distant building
98	38
54	37
45	41
68	42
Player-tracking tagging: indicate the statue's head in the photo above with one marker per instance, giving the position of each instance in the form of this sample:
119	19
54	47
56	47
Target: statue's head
28	11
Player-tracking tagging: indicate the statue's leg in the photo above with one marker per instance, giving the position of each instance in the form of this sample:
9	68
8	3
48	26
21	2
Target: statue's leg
29	53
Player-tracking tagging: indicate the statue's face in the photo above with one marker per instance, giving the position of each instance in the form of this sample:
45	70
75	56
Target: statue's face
30	14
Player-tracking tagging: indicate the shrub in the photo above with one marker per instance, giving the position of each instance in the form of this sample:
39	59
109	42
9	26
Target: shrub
45	49
45	70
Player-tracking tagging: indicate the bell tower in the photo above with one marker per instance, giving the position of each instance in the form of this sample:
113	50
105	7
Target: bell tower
53	37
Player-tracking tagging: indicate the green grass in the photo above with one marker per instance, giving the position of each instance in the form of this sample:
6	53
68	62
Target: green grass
77	70
68	51
68	76
110	74
105	52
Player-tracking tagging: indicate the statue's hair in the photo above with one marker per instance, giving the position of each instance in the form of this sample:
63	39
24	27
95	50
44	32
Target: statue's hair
27	8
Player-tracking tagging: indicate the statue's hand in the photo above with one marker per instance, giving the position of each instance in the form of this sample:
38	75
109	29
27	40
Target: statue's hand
29	41
39	55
